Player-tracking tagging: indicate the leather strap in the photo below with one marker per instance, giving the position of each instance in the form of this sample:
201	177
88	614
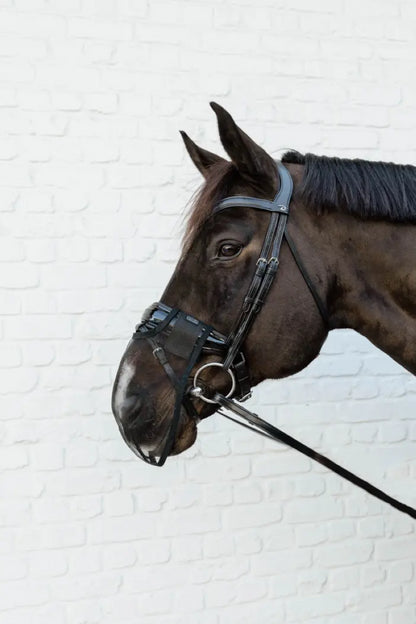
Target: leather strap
319	303
268	261
279	204
241	201
261	426
180	384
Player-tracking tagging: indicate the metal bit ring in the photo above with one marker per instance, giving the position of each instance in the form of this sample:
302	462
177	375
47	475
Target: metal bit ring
197	391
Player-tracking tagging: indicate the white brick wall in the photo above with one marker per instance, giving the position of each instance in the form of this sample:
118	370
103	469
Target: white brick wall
93	184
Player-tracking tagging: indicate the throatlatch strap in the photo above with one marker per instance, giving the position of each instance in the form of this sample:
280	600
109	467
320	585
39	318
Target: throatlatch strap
265	428
308	281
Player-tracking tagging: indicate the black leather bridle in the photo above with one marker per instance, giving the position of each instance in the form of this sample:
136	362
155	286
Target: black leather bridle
174	332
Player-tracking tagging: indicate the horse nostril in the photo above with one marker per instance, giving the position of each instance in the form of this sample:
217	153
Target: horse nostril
130	409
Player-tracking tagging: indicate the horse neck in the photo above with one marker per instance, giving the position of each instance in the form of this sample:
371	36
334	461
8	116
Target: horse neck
369	268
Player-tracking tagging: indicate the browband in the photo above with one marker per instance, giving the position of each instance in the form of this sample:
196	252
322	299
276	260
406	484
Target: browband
279	204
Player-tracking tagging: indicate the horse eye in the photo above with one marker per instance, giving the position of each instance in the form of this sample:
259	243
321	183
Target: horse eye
229	250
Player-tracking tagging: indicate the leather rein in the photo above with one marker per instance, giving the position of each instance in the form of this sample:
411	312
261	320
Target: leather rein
172	331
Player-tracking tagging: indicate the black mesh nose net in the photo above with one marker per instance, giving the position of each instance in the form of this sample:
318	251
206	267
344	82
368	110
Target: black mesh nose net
176	340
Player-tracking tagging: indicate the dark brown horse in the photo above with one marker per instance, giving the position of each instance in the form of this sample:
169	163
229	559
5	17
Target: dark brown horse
353	224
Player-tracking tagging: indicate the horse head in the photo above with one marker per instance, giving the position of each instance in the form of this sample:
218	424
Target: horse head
209	287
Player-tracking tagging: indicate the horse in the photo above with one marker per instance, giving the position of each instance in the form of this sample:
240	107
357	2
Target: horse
346	258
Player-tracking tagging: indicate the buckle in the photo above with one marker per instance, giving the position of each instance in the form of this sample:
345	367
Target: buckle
245	397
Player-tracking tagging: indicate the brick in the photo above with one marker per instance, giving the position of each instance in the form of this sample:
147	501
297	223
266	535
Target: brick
70	200
281	464
51	510
86	507
12	568
379	598
13	458
118	556
109	530
106	251
19	275
32	99
313	511
393	432
50	537
82	454
78	27
20	72
313	607
98	51
75	352
395	549
51	126
36	327
372	575
191	522
38	301
73	249
364	433
7	97
40	250
269	564
119	504
8	149
343	554
218	546
401	572
100	151
250	493
311	535
187	548
17	380
66	101
48	564
10	303
10	356
76	589
75	176
246	516
401	615
64	276
38	353
13	512
24	593
88	611
154	551
84	560
371	527
139	250
219	594
81	481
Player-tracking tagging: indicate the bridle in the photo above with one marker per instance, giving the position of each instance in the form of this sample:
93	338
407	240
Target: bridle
172	331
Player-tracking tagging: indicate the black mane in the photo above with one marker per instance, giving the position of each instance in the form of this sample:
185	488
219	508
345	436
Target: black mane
370	190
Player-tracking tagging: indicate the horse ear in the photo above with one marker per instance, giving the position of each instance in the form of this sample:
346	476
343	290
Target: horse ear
202	159
250	159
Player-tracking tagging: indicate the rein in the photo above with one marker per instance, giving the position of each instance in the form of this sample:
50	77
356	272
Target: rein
172	331
262	427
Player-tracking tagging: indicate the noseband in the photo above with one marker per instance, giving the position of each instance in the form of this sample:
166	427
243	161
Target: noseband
173	331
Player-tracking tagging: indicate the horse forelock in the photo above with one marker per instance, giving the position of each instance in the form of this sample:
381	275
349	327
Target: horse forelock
217	185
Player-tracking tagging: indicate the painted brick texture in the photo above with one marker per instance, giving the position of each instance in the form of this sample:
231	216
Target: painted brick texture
93	186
